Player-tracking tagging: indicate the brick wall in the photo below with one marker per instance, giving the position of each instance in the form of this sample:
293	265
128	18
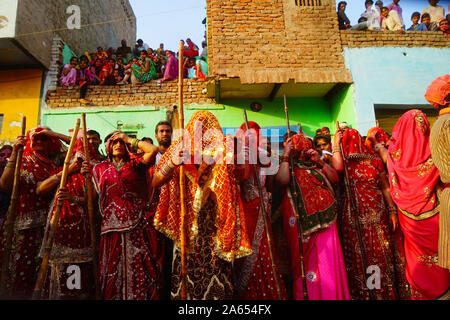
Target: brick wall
359	39
268	41
104	23
149	94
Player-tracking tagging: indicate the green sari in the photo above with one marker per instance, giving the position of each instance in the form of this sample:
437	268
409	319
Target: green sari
143	76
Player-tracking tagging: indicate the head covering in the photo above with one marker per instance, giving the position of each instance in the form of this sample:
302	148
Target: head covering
354	146
54	147
230	240
412	173
78	151
301	144
438	91
109	144
380	136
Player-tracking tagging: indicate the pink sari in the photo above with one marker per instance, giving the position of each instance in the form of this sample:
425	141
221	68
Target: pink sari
323	257
413	178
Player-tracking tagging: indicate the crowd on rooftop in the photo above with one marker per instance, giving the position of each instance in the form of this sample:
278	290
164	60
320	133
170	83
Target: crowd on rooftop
390	18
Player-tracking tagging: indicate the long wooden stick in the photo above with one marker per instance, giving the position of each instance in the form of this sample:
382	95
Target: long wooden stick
11	216
293	186
182	201
354	211
266	223
90	206
55	219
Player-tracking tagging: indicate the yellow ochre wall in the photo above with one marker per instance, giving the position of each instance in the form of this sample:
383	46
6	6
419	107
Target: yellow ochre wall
19	96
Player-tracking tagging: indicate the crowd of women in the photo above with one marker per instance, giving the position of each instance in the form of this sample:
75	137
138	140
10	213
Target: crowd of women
369	222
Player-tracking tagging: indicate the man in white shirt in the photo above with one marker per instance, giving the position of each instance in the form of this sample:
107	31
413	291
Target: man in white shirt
391	21
437	13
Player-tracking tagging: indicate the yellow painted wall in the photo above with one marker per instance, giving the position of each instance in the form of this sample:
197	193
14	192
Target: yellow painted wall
19	96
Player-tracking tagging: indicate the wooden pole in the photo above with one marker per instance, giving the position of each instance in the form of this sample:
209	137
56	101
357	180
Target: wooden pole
90	206
266	223
11	216
182	194
293	187
55	219
354	211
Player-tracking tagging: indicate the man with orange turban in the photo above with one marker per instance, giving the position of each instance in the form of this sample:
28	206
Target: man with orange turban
438	94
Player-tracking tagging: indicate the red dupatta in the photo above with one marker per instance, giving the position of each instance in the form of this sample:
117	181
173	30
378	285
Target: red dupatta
412	174
380	136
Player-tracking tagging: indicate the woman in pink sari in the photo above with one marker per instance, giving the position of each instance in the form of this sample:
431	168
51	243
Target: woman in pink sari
131	251
69	73
317	209
414	179
171	70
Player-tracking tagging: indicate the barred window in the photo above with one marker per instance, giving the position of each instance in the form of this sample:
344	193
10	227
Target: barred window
301	3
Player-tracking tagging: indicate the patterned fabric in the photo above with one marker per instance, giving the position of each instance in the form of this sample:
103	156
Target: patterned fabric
354	146
31	214
140	74
440	151
413	177
379	246
202	185
131	251
72	242
380	136
438	91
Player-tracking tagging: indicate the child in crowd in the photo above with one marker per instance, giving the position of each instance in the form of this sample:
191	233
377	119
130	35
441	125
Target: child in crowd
69	73
415	17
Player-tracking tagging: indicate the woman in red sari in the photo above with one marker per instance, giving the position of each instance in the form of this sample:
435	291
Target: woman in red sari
41	146
254	276
312	205
376	222
414	182
72	242
216	234
131	251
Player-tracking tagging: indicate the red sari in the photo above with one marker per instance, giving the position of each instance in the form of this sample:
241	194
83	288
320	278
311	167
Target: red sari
131	252
31	215
379	245
414	178
72	242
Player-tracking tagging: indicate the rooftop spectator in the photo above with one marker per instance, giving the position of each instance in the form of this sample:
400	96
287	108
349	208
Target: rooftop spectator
192	51
143	71
69	73
171	70
205	49
343	21
107	73
416	26
448	16
372	17
379	5
436	12
142	45
101	54
391	21
160	50
124	50
394	6
427	25
444	27
85	77
135	52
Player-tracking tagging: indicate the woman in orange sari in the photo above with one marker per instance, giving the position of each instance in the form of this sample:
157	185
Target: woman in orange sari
215	230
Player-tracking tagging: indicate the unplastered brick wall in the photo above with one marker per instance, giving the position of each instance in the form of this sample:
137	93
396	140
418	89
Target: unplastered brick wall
273	37
151	93
359	39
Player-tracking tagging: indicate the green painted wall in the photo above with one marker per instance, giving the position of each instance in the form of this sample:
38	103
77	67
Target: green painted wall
311	113
343	107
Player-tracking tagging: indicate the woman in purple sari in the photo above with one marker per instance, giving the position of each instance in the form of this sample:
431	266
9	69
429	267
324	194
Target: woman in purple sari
171	70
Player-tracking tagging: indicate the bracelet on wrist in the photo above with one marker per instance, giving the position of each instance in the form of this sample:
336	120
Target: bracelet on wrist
55	177
284	159
10	164
134	143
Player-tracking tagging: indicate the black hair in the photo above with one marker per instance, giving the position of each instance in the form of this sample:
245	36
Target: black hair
362	19
6	146
341	2
323	137
425	15
147	139
145	51
163	123
92	132
415	14
385	8
368	1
